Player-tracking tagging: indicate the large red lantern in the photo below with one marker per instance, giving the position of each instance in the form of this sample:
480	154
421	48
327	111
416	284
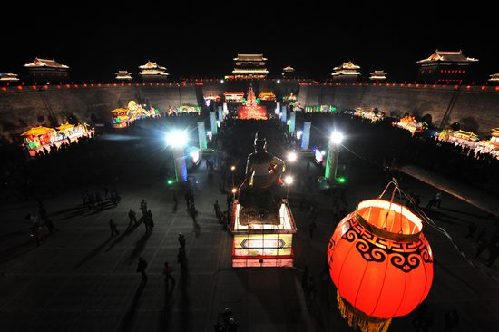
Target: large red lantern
381	264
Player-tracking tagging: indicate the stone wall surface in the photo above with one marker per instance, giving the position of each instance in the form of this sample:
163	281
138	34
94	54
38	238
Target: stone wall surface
20	110
473	106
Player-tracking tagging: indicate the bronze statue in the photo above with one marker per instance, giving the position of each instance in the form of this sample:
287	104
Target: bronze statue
261	190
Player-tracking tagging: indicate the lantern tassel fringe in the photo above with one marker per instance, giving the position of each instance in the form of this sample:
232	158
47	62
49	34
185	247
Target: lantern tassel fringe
357	319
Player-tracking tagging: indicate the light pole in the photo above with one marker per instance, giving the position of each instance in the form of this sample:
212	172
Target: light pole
232	170
179	95
335	140
288	180
292	157
177	140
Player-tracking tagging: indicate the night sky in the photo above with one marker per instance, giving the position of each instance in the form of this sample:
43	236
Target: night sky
200	40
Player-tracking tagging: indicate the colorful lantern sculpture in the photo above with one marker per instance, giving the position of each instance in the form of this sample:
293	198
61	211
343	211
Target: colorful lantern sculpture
381	264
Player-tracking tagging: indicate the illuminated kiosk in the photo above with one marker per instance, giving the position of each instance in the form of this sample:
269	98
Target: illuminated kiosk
258	244
262	223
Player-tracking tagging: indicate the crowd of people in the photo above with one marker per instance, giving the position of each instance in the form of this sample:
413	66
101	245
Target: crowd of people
387	146
383	144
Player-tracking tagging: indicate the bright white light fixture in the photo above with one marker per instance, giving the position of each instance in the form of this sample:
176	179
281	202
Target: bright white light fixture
195	156
292	156
288	180
177	139
221	81
336	137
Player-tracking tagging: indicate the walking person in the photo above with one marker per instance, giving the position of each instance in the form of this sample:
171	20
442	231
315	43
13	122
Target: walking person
133	219
143	206
438	199
175	201
430	204
36	231
167	272
150	221
147	223
50	225
182	260
187	198
193	212
114	230
141	267
181	240
216	207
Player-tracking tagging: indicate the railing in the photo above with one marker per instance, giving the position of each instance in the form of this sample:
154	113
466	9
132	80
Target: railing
190	83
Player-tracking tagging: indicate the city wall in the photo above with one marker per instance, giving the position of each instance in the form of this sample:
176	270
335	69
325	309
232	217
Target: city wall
22	109
474	106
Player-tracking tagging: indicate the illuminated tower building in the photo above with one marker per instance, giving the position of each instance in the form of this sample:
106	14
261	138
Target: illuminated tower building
123	76
249	67
346	72
152	72
378	75
47	71
444	68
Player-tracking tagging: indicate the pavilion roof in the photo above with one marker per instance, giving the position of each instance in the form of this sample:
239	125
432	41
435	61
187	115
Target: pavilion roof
65	126
35	131
39	62
444	56
347	65
152	65
250	57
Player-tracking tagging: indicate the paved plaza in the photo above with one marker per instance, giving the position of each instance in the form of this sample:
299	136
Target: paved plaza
81	279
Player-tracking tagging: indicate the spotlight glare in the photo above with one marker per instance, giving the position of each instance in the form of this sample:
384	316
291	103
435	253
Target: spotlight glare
195	156
177	139
292	156
336	137
288	180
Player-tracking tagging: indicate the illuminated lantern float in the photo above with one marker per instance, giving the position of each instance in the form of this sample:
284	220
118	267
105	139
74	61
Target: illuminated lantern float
262	223
251	109
381	264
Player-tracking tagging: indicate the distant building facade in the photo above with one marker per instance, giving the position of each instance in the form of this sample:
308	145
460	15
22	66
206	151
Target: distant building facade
123	76
346	72
8	78
444	68
494	79
288	72
249	67
152	72
47	71
378	76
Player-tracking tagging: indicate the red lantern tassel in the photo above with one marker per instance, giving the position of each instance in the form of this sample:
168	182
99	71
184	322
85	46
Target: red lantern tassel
357	319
